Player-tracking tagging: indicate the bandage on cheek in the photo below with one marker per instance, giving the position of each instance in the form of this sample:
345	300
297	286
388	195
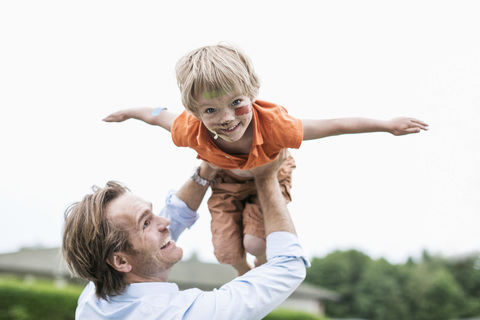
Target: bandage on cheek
240	111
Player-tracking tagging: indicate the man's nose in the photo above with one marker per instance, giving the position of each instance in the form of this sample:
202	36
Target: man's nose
162	223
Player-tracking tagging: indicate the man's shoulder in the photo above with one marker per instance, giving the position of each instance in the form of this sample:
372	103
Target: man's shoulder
162	299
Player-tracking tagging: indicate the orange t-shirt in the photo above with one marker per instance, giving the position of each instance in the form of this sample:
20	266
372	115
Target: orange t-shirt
273	130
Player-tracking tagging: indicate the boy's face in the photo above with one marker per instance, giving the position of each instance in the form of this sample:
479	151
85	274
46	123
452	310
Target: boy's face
226	113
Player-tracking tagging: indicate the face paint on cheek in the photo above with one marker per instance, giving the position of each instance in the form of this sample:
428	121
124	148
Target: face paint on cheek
240	111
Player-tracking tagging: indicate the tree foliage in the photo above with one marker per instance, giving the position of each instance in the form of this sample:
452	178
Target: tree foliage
378	293
432	288
339	271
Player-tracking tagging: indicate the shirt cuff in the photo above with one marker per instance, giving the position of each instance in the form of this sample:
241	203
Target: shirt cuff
282	243
179	214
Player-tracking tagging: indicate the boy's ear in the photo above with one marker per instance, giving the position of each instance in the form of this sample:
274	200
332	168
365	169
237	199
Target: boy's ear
119	262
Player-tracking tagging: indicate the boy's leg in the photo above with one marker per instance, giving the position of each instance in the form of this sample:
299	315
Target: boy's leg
242	266
256	246
226	206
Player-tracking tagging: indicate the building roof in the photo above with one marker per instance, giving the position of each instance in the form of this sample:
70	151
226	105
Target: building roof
191	273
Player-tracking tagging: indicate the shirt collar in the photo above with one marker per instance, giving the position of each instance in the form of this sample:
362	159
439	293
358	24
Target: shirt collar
139	290
257	136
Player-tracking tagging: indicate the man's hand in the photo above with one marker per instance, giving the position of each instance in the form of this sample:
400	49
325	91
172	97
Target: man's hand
403	126
208	171
269	169
274	206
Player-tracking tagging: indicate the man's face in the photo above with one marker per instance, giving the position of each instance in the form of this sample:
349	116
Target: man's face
154	251
227	113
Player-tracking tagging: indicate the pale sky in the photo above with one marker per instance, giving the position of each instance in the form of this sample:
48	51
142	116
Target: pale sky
65	65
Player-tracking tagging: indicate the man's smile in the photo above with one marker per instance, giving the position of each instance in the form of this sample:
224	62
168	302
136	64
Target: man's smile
166	243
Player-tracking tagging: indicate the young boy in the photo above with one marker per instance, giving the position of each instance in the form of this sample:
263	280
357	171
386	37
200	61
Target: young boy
229	128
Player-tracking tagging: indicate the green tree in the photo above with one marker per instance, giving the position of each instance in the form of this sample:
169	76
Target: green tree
443	299
466	272
339	271
415	283
379	294
433	293
434	288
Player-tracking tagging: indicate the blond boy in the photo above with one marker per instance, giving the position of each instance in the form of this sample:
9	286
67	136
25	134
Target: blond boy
230	128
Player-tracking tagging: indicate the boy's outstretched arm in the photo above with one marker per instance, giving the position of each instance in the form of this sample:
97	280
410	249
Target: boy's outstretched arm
315	129
151	116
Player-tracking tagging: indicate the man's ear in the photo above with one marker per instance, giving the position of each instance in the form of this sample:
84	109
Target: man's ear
119	262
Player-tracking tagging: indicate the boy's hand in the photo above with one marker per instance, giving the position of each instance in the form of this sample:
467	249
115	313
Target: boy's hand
403	126
118	116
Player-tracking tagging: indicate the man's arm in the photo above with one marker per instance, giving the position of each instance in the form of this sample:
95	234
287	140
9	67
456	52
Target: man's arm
157	117
274	207
259	291
191	192
315	129
180	208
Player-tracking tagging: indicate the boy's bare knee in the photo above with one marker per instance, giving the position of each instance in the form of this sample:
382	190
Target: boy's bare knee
254	245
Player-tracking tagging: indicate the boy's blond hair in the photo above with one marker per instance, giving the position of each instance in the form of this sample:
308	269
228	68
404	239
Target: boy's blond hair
215	69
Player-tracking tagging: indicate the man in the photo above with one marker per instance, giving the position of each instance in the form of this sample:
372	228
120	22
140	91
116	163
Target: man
113	239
